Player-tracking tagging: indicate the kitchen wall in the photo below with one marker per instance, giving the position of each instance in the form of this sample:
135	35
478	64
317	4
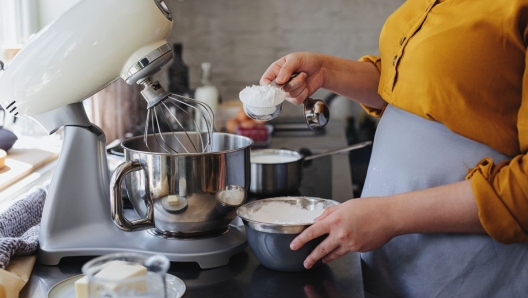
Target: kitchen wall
241	38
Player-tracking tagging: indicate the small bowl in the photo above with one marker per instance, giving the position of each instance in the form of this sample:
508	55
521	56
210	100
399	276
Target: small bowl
262	113
270	242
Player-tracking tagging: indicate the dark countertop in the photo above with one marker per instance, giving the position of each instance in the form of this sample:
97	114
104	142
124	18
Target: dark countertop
327	177
242	277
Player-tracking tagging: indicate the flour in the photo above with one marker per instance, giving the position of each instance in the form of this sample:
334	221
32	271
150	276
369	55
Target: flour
285	213
262	99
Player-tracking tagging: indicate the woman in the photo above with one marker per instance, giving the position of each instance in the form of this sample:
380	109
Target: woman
444	209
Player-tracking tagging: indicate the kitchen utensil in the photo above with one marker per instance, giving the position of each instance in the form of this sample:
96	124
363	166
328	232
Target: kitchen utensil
316	111
84	50
262	113
182	194
175	113
265	113
152	284
279	171
270	242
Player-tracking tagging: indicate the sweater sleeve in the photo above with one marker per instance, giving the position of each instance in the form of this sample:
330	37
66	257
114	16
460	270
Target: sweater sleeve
501	193
501	190
376	60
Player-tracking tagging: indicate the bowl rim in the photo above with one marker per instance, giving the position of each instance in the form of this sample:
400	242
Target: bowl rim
127	148
278	228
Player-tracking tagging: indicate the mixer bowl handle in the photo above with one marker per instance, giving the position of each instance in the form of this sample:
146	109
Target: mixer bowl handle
116	201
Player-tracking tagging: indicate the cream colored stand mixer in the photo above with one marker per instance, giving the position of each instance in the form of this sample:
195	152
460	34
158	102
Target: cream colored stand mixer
83	51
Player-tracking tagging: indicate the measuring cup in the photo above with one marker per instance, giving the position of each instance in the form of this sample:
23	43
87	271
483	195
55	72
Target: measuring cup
316	111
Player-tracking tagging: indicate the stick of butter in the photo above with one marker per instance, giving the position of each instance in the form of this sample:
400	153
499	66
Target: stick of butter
81	287
113	276
173	200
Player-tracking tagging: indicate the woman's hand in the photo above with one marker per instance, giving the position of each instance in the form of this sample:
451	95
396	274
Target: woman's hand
357	225
349	78
311	76
365	224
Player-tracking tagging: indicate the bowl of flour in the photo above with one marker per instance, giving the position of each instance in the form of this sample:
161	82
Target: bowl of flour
271	225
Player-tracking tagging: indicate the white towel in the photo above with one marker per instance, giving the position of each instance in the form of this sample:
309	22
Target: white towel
20	225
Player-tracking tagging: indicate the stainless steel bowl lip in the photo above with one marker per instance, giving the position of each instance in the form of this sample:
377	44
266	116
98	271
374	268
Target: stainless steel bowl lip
250	143
274	227
280	152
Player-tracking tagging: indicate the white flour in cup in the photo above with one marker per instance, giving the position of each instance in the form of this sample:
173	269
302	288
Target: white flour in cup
284	213
262	99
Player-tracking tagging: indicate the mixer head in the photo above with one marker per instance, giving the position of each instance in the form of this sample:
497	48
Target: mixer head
91	45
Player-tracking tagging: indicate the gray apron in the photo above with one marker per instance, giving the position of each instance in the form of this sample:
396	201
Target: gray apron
412	153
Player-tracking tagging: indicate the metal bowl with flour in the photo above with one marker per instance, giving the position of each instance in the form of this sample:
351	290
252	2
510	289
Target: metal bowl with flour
271	225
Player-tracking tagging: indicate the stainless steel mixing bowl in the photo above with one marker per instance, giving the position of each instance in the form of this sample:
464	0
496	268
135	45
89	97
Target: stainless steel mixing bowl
182	194
270	242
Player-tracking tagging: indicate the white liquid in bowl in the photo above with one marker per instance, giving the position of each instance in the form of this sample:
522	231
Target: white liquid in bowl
273	158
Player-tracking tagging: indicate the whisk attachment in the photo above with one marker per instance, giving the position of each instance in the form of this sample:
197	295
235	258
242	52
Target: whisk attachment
153	92
177	124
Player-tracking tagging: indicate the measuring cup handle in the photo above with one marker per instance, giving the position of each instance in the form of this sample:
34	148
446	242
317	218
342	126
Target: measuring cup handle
116	201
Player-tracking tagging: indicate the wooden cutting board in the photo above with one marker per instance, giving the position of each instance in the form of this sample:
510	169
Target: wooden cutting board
21	162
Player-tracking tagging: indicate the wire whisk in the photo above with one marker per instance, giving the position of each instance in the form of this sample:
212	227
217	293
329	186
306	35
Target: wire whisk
176	124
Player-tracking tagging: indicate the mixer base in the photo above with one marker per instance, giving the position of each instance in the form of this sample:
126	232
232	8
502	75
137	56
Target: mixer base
91	241
76	220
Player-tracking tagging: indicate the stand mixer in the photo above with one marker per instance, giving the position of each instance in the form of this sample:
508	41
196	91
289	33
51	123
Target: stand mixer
86	49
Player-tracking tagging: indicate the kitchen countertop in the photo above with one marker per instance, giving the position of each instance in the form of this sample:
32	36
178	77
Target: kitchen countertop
244	276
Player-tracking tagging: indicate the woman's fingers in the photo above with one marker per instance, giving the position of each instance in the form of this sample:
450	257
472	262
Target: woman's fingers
308	234
310	78
298	98
297	90
324	248
281	70
316	230
335	254
355	225
297	83
327	212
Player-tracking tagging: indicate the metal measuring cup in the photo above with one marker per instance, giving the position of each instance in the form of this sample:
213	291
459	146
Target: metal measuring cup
316	111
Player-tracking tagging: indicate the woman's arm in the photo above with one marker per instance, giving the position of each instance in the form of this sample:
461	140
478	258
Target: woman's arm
367	223
353	79
349	78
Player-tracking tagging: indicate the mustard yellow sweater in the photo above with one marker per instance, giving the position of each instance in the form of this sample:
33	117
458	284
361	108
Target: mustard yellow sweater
464	63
